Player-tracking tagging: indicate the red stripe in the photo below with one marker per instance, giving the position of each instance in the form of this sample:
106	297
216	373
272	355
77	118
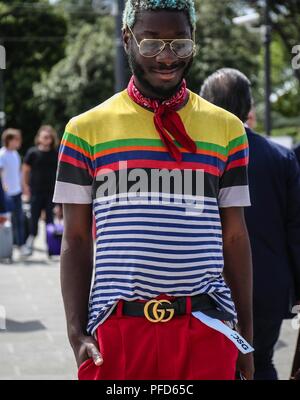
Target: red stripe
238	163
75	163
160	165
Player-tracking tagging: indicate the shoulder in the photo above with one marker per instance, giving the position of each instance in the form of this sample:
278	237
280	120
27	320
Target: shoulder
297	152
219	123
277	151
32	151
94	120
30	155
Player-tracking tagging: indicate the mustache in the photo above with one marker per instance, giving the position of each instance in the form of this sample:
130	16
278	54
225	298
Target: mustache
169	68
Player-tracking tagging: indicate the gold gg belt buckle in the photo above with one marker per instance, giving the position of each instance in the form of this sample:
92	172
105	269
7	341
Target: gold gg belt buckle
159	315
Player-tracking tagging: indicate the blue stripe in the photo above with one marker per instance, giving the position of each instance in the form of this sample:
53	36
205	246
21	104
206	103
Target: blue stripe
148	206
166	216
131	296
161	251
205	269
142	282
156	156
159	233
158	225
225	302
77	155
158	259
101	241
125	289
238	155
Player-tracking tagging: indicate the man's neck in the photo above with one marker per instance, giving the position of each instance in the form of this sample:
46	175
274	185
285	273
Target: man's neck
154	96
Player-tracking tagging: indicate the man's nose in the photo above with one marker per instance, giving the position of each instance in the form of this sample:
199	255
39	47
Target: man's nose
166	56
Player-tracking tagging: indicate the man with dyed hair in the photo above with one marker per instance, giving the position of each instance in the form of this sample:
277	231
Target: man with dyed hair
165	175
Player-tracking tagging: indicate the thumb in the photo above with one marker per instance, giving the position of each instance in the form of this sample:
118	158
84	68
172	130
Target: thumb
94	353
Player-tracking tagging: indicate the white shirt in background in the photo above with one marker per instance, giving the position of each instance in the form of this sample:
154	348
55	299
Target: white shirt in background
10	165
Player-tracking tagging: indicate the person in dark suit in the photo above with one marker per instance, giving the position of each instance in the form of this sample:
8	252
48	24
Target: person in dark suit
273	220
297	152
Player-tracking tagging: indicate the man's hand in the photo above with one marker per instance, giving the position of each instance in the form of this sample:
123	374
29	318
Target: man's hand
26	192
245	365
85	348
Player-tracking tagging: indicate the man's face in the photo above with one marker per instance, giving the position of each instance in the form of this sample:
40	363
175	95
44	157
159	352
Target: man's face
15	144
158	76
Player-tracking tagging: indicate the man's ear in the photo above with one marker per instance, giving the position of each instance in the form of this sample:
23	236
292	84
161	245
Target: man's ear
126	36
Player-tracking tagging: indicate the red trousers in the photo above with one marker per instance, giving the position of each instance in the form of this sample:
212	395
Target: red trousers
180	349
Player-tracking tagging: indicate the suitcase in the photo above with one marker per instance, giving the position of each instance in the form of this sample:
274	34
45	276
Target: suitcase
6	241
54	237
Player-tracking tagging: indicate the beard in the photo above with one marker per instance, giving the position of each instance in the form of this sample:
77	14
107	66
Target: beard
160	92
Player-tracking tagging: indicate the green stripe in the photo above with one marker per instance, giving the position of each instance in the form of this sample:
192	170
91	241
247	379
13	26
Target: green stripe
210	147
154	143
126	142
237	142
69	137
119	143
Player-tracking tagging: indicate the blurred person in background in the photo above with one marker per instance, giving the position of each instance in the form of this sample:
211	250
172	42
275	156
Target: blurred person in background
273	220
297	152
39	174
251	121
10	167
3	216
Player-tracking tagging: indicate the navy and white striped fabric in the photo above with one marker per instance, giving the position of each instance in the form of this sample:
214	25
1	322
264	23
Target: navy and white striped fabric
151	244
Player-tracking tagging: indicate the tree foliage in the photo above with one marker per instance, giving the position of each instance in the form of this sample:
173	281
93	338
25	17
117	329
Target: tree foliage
60	57
84	78
221	43
33	34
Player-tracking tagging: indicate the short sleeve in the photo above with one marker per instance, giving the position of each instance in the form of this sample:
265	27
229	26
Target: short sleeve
233	187
1	160
75	168
29	157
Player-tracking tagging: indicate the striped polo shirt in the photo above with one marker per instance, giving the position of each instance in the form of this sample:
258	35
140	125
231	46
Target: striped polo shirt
158	227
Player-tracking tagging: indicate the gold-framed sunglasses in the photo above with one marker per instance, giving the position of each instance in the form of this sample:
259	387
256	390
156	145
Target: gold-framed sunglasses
182	48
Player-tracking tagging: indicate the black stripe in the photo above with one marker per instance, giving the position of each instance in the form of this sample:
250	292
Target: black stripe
70	174
234	177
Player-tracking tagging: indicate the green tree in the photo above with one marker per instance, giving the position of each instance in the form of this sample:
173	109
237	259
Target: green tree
33	34
221	43
285	21
84	78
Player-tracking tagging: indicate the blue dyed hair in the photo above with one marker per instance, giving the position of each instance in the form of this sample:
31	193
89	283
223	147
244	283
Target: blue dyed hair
134	6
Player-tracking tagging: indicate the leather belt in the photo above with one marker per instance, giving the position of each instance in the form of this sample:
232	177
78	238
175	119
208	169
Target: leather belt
163	310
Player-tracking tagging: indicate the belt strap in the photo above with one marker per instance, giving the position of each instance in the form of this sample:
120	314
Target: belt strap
201	302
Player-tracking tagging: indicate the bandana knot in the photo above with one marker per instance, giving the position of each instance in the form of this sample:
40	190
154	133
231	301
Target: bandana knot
166	119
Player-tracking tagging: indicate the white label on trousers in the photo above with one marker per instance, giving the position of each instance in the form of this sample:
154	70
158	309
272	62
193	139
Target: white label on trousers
232	335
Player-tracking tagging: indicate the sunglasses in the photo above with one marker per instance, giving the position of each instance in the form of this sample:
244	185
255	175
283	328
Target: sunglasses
182	48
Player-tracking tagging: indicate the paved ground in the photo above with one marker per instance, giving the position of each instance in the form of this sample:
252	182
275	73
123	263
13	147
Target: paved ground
34	344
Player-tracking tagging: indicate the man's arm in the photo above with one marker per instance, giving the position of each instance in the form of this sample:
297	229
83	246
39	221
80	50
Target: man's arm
76	277
26	169
238	276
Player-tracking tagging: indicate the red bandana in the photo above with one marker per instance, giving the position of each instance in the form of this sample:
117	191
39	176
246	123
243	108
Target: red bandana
166	118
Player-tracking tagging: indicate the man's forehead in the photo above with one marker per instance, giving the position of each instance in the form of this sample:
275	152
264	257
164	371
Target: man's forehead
158	22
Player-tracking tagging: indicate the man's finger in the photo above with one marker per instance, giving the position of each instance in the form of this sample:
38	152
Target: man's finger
94	353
